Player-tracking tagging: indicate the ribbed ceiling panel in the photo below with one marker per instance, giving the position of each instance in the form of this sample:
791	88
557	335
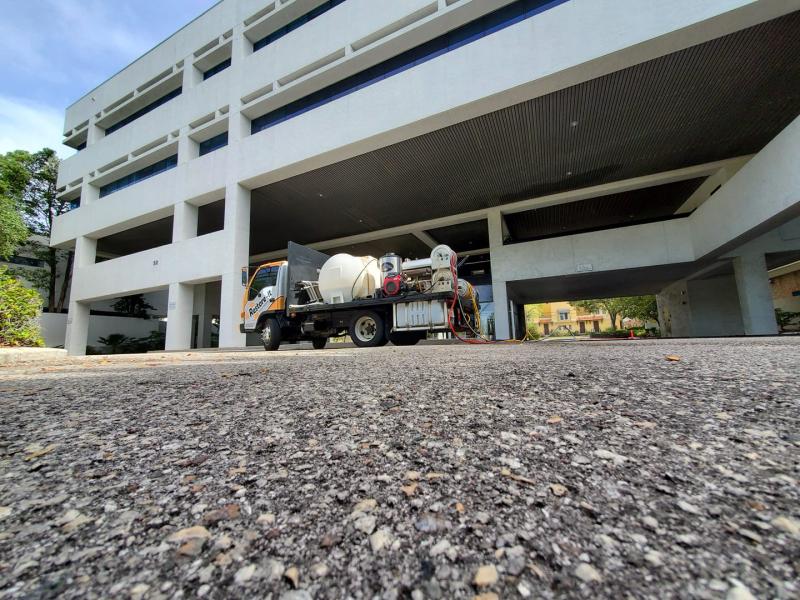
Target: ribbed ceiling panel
628	208
724	98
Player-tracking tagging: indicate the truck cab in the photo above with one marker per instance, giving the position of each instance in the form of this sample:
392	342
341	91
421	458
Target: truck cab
265	294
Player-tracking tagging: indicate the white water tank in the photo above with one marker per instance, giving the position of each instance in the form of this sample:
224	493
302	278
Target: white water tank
345	277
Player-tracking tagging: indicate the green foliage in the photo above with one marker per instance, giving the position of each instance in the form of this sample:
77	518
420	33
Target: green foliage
642	308
20	308
133	306
14	178
115	342
786	318
653	332
28	185
118	343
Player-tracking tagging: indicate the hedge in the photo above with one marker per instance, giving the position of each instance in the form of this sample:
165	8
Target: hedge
20	308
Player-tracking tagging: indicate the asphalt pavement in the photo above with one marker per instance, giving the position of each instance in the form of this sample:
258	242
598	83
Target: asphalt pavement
614	469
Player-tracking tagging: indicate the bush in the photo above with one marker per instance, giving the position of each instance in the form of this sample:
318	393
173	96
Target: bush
117	343
20	308
624	333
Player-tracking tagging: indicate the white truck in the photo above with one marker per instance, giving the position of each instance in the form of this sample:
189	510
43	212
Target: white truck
312	296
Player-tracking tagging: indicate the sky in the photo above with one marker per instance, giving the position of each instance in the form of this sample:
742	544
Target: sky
52	52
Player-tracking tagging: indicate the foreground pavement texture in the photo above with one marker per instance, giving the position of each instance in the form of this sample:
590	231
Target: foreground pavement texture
535	470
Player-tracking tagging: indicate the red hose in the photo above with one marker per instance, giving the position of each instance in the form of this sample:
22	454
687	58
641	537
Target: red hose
453	307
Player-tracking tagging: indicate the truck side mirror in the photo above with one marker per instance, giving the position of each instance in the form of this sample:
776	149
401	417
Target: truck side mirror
244	276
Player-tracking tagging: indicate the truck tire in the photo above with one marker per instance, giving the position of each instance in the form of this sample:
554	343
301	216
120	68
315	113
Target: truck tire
271	335
406	338
367	329
319	342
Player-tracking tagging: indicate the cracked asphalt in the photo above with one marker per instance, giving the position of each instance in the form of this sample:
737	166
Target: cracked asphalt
543	470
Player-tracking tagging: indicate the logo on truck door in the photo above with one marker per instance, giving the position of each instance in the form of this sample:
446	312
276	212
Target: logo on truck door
261	302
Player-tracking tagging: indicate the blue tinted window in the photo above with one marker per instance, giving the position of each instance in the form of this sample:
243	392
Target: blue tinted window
499	19
215	143
143	111
80	147
217	68
140	175
298	22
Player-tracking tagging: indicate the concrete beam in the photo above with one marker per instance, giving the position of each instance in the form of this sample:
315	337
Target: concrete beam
765	190
426	239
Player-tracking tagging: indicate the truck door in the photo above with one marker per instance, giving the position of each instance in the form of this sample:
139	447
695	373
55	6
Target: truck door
264	293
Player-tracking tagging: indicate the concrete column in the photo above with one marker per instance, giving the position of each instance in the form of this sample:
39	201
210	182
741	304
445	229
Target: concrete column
199	309
77	333
89	193
187	148
755	294
237	230
192	76
179	316
674	312
184	222
93	132
502	322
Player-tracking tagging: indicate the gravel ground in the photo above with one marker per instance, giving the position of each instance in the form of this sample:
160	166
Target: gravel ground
541	470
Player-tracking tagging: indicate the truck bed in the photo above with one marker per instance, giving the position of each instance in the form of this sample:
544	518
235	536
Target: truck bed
366	303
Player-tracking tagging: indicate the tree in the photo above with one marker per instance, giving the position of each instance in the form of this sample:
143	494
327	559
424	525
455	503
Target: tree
642	308
20	308
134	306
14	179
613	306
40	207
115	341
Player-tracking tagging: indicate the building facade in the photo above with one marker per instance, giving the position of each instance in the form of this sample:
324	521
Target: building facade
569	148
553	315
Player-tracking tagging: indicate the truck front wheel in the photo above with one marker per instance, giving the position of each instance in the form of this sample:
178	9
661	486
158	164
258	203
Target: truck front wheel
271	335
367	329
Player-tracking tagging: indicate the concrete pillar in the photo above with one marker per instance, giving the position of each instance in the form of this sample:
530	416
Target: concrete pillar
89	193
674	312
755	294
93	132
179	316
237	232
192	76
199	310
77	333
502	321
184	222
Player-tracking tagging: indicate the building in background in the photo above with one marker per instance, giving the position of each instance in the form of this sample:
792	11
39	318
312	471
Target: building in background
569	149
549	316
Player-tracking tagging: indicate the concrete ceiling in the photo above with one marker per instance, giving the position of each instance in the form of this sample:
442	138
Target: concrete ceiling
210	218
605	284
717	100
628	208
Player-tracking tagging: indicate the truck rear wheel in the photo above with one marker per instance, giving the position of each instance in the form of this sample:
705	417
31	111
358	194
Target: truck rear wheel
406	338
271	335
319	342
367	329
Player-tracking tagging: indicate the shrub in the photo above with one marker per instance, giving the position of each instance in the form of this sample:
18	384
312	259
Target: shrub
20	308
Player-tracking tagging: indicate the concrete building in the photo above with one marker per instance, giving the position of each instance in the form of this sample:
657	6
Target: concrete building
573	148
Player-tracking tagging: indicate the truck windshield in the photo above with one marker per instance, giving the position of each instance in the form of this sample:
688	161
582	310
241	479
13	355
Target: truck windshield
266	277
